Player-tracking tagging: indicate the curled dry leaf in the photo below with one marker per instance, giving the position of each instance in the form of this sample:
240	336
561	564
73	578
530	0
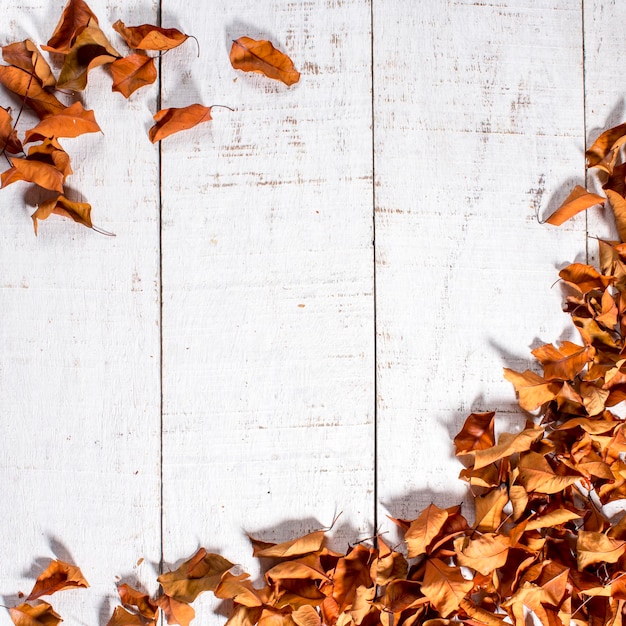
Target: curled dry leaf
132	72
170	121
79	212
137	600
39	615
57	576
26	56
74	19
176	612
33	171
250	55
477	433
9	141
71	122
23	84
149	37
122	617
579	200
297	547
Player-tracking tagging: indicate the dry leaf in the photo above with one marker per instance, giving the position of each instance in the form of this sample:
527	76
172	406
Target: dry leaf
444	586
239	589
594	547
297	547
34	171
33	94
138	600
170	121
476	434
149	37
39	615
122	617
533	390
483	554
74	20
9	141
604	144
579	200
71	122
176	612
57	576
132	73
618	204
26	56
424	529
78	211
250	55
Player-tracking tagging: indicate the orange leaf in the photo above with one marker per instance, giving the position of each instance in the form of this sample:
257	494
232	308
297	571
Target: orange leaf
483	554
74	20
57	576
307	544
305	568
476	434
250	55
552	519
403	594
176	612
351	572
40	615
508	444
71	122
444	586
618	204
78	211
170	121
489	508
533	390
25	55
584	278
8	135
132	72
91	49
579	200
122	617
34	95
202	572
604	144
239	589
306	616
137	599
149	37
535	474
594	547
424	529
42	174
564	362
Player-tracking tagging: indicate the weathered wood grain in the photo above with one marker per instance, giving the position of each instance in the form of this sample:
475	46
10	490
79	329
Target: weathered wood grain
267	282
479	117
79	358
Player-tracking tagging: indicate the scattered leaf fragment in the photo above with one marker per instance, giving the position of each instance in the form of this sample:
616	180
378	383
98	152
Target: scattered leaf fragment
250	55
80	212
170	121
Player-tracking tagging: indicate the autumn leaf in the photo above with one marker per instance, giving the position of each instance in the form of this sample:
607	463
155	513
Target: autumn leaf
533	390
508	444
489	508
595	547
564	362
39	615
307	544
26	56
604	145
34	171
132	72
74	19
554	518
239	589
175	611
80	212
444	586
32	93
306	616
424	529
57	576
170	121
579	200
149	37
476	434
618	205
584	278
535	474
9	141
389	566
122	617
260	56
307	567
401	595
351	572
483	554
138	600
202	572
71	122
90	50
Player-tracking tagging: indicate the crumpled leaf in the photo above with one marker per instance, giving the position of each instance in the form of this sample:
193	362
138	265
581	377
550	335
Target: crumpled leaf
123	617
26	56
533	390
33	94
132	72
137	600
71	122
535	474
508	443
239	589
477	433
39	615
90	50
34	171
564	362
78	211
9	141
202	572
57	576
312	542
261	57
176	612
74	19
149	37
604	145
170	121
579	200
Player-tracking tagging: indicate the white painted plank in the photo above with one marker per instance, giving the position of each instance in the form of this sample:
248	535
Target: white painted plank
478	111
267	275
79	358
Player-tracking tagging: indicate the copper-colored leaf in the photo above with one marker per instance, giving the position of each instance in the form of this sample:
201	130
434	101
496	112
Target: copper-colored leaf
305	567
594	547
489	508
170	121
533	390
176	612
74	19
618	204
483	554
444	586
78	211
33	171
239	589
202	572
306	616
90	50
351	572
122	617
260	56
390	565
604	144
535	474
132	73
306	544
508	444
583	277
564	362
9	141
25	55
476	434
552	519
58	575
138	600
424	529
71	122
149	37
39	615
579	200
34	95
403	594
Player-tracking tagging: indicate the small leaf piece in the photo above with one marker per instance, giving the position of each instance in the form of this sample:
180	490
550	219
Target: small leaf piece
71	122
261	57
170	121
78	211
132	72
57	576
149	37
579	200
74	20
40	615
26	56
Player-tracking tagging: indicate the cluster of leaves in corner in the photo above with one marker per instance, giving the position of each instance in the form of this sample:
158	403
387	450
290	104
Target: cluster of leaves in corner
83	46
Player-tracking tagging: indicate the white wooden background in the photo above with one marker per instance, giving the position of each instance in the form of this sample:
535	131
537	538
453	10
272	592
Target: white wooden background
305	297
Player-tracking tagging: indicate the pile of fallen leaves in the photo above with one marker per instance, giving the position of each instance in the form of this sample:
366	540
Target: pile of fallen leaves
540	543
82	45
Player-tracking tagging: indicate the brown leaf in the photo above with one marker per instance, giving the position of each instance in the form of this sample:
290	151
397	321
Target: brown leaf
71	122
390	565
39	615
476	434
552	519
149	37
260	56
33	171
138	600
444	586
594	547
508	444
307	567
74	19
9	141
401	595
584	278
604	144
122	617
34	95
25	55
78	211
618	204
483	554
536	474
489	508
306	616
306	544
579	200
351	572
90	50
132	73
176	612
239	589
58	575
424	529
564	362
202	572
532	389
170	121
